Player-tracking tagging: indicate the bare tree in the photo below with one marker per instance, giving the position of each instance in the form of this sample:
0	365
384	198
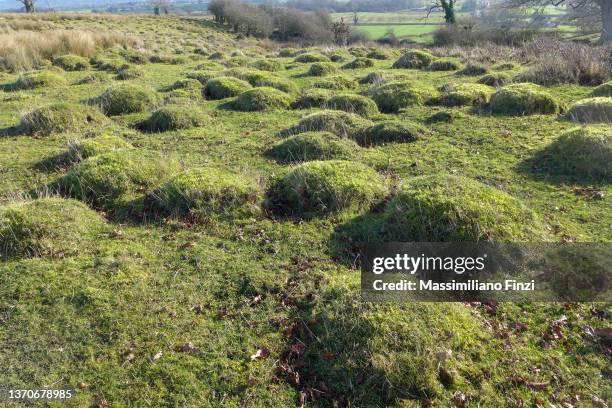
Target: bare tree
342	32
355	18
448	6
28	4
157	6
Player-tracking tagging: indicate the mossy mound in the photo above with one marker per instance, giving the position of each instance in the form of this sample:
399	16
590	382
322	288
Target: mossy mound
361	105
377	77
338	57
335	82
282	84
445	208
310	146
225	87
239	61
378	55
129	72
202	76
312	98
310	57
47	227
173	117
496	79
473	69
288	52
414	59
390	132
466	94
60	117
591	110
359	63
603	90
126	98
93	78
207	190
218	55
40	79
109	64
71	62
523	99
323	187
263	98
340	123
188	83
269	65
322	69
393	96
444	64
584	153
85	148
104	178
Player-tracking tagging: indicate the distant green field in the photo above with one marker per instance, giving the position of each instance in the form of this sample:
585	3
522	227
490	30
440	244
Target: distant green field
421	33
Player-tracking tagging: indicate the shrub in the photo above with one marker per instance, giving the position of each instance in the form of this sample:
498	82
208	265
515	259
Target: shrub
313	98
340	123
390	132
322	69
603	90
85	148
414	59
473	69
393	96
173	117
497	79
310	57
444	208
444	64
60	117
267	65
313	146
225	87
523	99
263	98
359	63
591	110
466	94
125	98
47	227
335	82
323	187
32	80
71	62
207	190
378	54
202	76
129	72
353	103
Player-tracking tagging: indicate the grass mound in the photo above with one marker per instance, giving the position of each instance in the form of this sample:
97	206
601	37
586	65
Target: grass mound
126	98
262	78
335	82
523	99
496	79
359	63
47	227
473	69
393	96
591	110
313	146
40	79
104	178
267	65
263	98
390	132
444	64
340	123
71	62
322	69
603	90
207	190
60	117
225	87
129	72
93	78
310	57
312	98
203	76
188	83
415	59
378	54
444	208
173	117
85	148
323	187
353	103
466	94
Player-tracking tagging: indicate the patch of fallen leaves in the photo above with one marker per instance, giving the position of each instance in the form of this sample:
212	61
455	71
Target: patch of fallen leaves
589	192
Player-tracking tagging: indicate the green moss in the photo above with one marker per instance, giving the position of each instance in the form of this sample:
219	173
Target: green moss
173	117
313	146
473	69
466	94
126	98
414	59
310	57
53	227
496	79
335	82
40	79
225	87
71	62
263	98
84	148
390	132
523	99
444	64
322	69
393	96
353	103
323	187
603	90
267	65
444	208
312	98
341	123
591	110
359	63
60	117
129	72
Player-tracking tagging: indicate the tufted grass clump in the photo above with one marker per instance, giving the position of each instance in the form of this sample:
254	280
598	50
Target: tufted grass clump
444	64
261	78
473	69
125	98
414	59
495	79
173	117
109	64
310	57
203	76
322	69
70	62
359	63
208	190
379	54
340	123
128	72
38	79
187	84
310	146
312	98
353	103
267	65
93	78
335	82
390	132
51	226
60	117
393	96
591	110
84	148
262	98
445	208
325	187
466	94
225	87
523	99
603	90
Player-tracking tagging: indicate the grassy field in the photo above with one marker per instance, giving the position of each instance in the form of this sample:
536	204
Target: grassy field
235	304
